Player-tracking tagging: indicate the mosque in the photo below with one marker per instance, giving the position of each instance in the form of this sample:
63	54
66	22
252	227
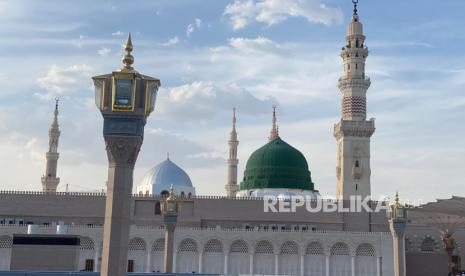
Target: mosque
232	234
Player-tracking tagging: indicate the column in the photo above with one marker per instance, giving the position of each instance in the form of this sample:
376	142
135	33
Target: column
169	247
175	257
378	266
276	264
302	265
327	265
96	257
251	264
149	259
352	265
200	262
226	262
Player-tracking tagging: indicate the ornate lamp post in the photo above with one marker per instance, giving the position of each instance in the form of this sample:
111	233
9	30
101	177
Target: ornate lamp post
125	99
170	217
449	246
397	223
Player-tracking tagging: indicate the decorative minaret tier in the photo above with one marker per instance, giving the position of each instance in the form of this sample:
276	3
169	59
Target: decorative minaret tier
353	132
50	180
231	186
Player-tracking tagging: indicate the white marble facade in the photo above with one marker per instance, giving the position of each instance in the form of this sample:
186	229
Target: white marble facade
224	251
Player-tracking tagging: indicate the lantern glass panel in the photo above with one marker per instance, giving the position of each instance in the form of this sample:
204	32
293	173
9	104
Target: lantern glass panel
123	93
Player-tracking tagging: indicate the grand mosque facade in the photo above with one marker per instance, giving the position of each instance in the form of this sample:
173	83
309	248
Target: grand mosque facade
232	234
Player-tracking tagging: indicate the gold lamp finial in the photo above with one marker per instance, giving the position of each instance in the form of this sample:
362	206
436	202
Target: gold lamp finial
128	59
397	201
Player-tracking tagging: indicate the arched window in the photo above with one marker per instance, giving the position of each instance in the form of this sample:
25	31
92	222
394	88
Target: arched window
428	245
264	260
213	259
158	245
86	243
239	259
289	260
158	248
315	260
164	193
137	244
182	194
340	262
357	164
365	260
187	259
239	246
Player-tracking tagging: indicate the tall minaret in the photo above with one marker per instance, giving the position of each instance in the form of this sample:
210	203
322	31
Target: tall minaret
50	180
353	132
274	127
231	187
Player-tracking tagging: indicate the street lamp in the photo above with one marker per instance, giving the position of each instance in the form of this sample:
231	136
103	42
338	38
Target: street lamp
397	223
170	210
125	98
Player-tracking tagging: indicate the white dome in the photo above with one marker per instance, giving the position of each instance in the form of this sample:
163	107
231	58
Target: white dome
160	178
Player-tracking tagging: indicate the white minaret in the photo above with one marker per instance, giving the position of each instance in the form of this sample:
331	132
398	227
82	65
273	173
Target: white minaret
50	180
231	186
353	132
274	127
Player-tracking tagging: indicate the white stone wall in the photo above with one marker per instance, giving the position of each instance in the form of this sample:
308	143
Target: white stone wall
226	251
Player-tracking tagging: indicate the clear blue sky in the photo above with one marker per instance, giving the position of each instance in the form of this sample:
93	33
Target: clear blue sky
213	55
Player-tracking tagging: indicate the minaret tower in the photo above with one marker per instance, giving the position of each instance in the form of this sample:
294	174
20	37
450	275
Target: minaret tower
353	132
274	127
231	187
50	180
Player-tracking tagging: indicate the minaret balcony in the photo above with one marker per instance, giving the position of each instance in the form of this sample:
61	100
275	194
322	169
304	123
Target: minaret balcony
354	52
354	82
354	128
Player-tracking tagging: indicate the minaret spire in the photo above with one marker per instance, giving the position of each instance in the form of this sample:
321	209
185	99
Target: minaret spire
274	127
231	186
49	180
353	131
355	2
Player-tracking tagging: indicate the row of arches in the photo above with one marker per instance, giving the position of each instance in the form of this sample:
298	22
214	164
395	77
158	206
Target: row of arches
240	258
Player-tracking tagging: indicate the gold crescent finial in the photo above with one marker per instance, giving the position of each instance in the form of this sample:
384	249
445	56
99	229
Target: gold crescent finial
355	2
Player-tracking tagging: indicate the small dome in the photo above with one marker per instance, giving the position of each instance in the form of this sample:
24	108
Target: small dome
277	165
160	178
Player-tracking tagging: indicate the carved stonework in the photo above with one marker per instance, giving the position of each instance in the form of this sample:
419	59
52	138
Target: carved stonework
123	150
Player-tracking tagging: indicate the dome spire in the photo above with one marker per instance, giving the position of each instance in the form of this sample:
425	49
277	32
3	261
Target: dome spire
274	129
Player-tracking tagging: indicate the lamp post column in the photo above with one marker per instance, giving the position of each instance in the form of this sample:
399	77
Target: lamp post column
397	223
125	98
122	153
170	218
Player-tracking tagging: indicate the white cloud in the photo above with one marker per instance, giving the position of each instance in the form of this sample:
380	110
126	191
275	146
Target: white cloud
118	33
62	80
201	100
104	51
251	46
172	41
270	12
191	27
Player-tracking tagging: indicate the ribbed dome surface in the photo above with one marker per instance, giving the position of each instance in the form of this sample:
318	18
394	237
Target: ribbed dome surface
277	165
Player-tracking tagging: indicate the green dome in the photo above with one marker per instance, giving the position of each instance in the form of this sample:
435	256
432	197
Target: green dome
277	165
